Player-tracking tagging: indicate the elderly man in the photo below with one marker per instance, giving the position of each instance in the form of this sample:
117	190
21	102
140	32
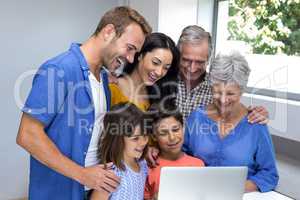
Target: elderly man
193	89
63	113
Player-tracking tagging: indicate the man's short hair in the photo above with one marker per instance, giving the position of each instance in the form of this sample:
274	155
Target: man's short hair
195	34
121	17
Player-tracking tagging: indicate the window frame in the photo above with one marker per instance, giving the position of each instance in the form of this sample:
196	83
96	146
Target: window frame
250	90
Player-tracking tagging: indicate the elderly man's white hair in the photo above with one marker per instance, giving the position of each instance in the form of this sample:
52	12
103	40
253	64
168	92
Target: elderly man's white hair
195	34
230	68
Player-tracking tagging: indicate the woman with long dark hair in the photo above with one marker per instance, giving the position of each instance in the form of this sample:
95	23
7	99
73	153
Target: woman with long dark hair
145	80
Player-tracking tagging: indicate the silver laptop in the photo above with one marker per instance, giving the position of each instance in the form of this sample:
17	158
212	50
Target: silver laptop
202	183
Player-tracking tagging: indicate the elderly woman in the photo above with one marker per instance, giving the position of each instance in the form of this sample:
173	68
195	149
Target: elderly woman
220	134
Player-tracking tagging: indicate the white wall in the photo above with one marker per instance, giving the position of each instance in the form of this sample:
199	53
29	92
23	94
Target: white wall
205	14
170	17
32	31
175	15
149	9
284	120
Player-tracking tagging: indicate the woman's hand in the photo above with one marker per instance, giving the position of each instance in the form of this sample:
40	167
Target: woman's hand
258	114
250	186
151	156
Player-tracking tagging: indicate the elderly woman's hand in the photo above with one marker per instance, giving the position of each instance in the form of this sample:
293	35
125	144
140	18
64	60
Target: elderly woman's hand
250	186
258	114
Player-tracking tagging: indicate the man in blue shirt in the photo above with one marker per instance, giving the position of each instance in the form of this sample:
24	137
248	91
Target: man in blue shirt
61	113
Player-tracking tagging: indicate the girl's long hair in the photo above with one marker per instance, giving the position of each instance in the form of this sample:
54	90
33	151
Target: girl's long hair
118	123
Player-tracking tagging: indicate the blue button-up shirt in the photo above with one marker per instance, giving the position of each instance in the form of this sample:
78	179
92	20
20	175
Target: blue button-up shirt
61	99
246	145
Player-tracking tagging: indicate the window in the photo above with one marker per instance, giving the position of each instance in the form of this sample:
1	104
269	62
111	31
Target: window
267	32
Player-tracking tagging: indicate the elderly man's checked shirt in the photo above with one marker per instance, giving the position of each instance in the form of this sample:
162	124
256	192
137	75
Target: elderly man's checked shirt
188	101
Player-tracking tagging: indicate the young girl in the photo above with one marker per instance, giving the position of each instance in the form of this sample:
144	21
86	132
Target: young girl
124	143
167	126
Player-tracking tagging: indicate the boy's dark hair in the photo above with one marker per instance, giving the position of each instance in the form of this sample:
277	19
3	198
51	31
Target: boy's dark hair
162	110
121	17
118	123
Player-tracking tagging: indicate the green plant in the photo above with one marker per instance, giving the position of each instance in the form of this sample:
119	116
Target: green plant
268	26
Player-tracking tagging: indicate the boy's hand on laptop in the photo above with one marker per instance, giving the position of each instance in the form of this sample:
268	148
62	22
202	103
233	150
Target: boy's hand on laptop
151	156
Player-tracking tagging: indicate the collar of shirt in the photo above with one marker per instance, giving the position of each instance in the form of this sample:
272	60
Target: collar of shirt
75	48
200	85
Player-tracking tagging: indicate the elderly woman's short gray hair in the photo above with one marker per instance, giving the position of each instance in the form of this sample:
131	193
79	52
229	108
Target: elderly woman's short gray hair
231	68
